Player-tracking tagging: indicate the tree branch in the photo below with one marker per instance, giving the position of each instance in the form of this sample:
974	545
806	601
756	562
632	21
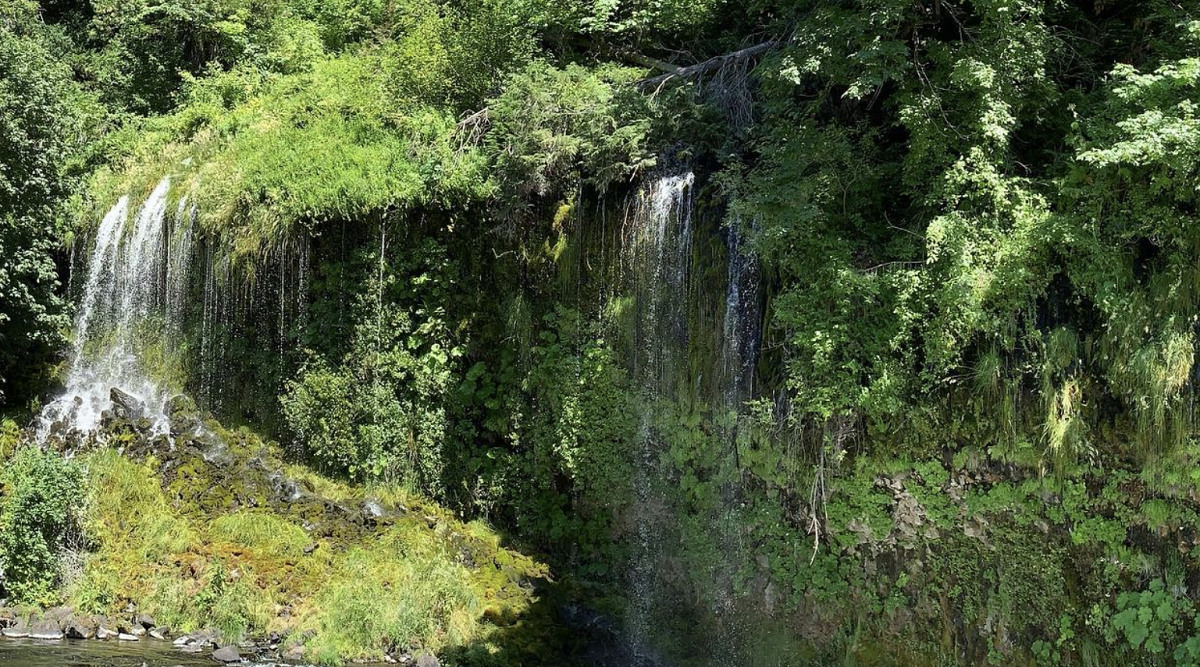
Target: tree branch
657	82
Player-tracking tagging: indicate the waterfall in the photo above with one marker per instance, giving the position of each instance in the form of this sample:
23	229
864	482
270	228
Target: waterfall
657	249
132	278
683	327
741	332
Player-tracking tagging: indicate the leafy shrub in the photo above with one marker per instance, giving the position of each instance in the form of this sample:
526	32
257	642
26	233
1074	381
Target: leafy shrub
1150	619
380	413
39	494
553	127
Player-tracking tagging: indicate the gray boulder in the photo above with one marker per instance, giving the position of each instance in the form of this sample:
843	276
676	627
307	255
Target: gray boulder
15	632
105	632
81	628
126	406
46	630
227	654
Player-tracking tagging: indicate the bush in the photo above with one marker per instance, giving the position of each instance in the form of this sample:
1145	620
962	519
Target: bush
39	493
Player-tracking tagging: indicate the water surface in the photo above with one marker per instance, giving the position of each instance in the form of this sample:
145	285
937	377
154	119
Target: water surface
73	653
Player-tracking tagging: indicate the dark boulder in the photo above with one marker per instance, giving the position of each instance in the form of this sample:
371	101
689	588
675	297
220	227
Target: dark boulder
183	416
126	406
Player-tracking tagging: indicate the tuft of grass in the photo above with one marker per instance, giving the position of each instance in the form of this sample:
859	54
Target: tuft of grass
10	438
401	591
268	534
127	511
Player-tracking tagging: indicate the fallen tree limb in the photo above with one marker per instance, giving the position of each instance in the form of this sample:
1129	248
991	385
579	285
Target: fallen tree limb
656	82
475	124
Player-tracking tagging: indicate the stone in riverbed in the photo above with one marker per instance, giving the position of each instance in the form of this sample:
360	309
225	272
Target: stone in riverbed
180	641
158	633
226	654
15	632
145	621
105	632
125	637
81	628
427	660
48	630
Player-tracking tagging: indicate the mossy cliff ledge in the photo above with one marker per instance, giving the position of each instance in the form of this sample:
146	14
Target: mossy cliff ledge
205	537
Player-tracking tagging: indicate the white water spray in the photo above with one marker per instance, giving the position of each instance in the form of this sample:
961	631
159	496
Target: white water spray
129	267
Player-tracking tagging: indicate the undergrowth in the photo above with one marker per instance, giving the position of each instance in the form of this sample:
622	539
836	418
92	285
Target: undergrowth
246	572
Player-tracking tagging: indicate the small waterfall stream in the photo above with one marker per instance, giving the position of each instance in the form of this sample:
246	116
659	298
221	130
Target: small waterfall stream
135	279
664	272
657	247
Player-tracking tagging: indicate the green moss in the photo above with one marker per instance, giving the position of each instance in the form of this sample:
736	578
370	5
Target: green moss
184	545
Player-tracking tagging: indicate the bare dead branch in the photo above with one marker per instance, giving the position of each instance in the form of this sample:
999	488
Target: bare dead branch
656	82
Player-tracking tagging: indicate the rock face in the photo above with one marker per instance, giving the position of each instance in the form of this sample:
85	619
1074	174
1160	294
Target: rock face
126	406
427	660
226	654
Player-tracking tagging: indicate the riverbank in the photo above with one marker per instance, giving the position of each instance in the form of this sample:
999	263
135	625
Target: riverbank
37	629
81	653
208	538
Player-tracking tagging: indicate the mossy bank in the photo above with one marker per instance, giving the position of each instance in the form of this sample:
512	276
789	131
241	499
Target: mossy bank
210	536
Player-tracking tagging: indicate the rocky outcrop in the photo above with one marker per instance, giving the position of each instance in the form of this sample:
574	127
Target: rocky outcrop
126	406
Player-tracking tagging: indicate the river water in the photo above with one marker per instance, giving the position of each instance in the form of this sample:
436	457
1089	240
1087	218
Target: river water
69	653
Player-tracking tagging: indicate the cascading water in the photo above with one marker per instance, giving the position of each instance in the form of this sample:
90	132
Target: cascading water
741	332
132	279
658	239
674	321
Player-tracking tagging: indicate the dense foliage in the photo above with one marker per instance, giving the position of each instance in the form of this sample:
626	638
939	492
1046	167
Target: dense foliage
41	494
44	123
